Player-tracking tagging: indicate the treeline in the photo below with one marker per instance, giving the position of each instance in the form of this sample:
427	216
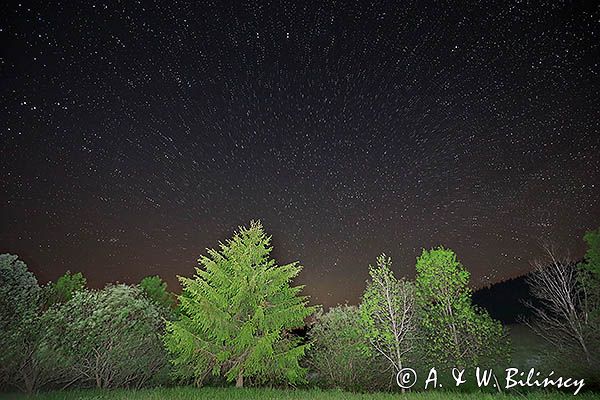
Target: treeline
237	318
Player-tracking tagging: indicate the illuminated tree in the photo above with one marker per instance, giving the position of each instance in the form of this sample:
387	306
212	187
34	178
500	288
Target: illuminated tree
388	313
567	310
454	331
237	312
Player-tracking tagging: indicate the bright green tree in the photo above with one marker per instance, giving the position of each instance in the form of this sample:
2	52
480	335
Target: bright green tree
64	288
388	313
237	313
589	293
454	331
156	290
592	255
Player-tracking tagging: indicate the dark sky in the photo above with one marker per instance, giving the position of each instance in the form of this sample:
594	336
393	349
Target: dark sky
136	134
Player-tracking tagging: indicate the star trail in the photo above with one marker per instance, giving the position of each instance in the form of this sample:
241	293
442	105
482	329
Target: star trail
136	134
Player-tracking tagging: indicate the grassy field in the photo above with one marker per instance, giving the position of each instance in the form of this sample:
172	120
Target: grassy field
527	348
190	393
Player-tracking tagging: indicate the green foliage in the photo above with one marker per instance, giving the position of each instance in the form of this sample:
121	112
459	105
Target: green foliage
64	288
340	354
108	338
24	361
156	290
589	277
589	292
454	332
388	313
592	255
19	290
236	312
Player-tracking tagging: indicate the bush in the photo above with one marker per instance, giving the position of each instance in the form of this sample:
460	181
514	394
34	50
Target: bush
25	362
108	338
340	354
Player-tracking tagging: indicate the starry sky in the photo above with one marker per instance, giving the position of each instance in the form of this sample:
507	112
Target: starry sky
135	134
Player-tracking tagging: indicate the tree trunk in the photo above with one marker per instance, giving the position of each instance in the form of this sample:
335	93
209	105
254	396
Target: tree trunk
29	385
239	381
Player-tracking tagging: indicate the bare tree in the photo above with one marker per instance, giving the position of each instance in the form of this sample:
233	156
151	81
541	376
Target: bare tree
561	317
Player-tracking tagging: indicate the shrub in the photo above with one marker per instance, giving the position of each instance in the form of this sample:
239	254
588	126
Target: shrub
24	360
109	338
340	354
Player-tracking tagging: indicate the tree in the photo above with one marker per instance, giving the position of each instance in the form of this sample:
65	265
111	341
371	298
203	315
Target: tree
340	353
566	312
237	314
108	338
592	255
454	331
156	290
589	277
19	290
388	313
64	288
560	319
24	363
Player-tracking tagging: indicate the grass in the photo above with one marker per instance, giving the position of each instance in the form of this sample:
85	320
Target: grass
527	348
190	393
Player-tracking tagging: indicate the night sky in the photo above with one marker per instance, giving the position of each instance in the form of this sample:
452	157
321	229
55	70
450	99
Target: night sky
136	134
